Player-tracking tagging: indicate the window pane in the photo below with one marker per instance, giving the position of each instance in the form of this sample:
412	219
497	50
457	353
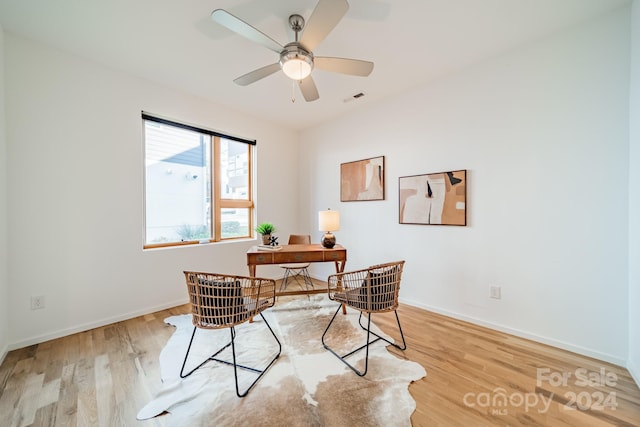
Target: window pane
235	222
234	174
177	184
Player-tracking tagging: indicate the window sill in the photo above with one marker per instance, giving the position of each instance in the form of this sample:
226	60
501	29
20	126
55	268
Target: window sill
205	242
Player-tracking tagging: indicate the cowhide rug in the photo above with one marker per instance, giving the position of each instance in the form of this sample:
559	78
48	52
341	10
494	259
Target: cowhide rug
306	386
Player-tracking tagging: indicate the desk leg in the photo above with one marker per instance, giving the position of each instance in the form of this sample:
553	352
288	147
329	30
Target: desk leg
340	269
252	273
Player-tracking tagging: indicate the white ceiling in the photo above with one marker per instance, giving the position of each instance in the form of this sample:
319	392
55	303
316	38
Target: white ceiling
175	43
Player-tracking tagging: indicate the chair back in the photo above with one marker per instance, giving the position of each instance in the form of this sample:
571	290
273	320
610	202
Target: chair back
299	239
222	300
373	289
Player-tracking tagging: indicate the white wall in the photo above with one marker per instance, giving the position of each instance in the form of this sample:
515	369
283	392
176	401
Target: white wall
634	197
543	133
74	154
4	277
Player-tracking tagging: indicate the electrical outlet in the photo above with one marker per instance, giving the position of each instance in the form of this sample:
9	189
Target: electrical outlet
37	302
495	292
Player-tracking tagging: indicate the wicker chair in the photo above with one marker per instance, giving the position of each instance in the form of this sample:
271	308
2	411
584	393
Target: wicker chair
220	301
297	271
370	290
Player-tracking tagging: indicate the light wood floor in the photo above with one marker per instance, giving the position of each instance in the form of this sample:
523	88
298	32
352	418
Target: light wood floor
475	377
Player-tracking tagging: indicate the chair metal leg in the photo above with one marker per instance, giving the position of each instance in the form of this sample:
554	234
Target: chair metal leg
365	346
308	283
404	343
307	279
285	279
343	357
212	357
234	363
260	372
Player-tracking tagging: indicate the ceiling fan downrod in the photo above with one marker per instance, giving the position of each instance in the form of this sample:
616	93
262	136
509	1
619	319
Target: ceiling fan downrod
296	22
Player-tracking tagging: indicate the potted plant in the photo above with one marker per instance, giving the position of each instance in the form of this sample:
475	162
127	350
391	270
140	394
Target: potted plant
265	229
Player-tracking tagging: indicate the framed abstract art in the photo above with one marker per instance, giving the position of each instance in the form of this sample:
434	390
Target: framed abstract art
362	180
434	198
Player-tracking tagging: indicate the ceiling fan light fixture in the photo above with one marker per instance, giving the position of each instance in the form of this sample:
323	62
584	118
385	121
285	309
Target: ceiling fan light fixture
296	63
296	69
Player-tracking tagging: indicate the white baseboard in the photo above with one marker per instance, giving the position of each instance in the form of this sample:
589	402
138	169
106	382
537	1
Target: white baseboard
523	334
95	324
3	354
91	325
634	371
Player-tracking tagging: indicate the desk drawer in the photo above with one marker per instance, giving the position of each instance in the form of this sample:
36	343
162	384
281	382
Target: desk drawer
287	257
260	258
335	256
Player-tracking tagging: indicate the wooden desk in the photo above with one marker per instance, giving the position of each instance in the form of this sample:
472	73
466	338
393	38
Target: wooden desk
294	254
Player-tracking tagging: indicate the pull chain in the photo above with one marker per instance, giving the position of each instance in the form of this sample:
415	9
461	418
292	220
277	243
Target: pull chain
293	91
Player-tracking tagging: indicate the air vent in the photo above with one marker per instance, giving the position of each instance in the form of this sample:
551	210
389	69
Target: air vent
353	97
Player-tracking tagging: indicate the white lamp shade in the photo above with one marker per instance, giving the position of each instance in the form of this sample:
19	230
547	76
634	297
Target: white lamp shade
329	220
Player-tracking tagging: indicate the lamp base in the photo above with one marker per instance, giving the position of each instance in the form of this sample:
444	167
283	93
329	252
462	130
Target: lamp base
328	240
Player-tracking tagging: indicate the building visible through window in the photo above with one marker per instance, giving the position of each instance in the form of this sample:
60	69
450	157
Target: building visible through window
197	184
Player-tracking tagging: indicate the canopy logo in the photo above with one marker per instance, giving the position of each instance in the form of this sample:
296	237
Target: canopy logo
499	402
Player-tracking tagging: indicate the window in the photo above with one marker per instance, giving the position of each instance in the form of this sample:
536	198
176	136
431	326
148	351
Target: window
197	184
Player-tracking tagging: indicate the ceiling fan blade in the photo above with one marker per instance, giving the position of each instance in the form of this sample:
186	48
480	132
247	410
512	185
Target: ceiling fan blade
309	89
355	67
240	27
323	19
258	74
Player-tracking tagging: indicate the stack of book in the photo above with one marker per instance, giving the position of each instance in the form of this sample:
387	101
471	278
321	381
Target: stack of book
269	248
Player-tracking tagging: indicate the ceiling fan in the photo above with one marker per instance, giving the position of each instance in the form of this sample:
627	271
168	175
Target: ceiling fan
296	58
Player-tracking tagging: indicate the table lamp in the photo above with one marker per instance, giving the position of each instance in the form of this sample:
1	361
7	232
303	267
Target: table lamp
328	221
